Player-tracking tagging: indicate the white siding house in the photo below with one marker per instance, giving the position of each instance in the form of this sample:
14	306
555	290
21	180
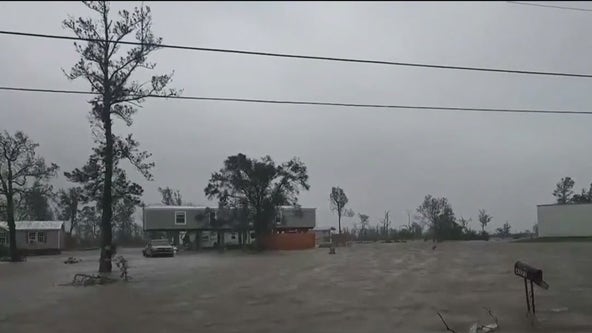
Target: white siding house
36	236
571	220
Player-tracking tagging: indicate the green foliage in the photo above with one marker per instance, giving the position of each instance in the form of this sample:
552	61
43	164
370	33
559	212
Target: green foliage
70	203
170	197
584	197
90	223
109	70
413	231
439	216
564	190
19	165
91	176
260	185
123	219
504	231
125	194
34	203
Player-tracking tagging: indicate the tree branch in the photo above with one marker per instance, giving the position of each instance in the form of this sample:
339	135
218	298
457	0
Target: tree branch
445	324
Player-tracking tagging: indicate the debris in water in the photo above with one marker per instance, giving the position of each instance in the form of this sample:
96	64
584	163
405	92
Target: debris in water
476	327
72	260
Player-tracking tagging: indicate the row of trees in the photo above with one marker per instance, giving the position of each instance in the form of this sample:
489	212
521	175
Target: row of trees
105	193
564	193
27	194
435	215
256	187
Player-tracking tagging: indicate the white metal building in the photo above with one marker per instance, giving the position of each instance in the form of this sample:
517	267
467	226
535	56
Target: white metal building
570	220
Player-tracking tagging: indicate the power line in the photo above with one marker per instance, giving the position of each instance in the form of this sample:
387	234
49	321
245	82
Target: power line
308	57
334	104
550	6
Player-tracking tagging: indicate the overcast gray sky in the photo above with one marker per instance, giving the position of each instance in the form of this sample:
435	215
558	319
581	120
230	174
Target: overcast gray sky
384	160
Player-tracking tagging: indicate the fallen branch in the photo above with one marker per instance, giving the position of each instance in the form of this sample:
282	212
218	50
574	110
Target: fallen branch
477	328
445	324
84	280
491	315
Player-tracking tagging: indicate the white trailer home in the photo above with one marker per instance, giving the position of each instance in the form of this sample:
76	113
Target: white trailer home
568	220
207	226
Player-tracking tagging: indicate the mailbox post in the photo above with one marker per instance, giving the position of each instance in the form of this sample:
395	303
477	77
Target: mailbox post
532	275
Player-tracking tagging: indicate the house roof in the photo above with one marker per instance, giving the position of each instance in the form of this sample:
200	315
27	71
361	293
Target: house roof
211	207
34	225
177	207
566	204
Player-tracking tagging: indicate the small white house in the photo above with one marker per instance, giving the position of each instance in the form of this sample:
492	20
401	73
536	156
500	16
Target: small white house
36	236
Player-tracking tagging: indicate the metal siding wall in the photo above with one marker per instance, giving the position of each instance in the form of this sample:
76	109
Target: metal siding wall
307	220
52	240
565	220
164	219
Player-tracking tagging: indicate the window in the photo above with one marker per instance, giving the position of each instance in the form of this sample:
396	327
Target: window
32	237
233	236
3	238
278	217
41	237
180	218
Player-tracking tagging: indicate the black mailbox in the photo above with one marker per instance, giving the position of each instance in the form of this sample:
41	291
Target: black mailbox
530	273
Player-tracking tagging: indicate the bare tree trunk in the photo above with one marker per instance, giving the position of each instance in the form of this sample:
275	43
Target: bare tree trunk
106	232
11	225
260	228
72	223
339	221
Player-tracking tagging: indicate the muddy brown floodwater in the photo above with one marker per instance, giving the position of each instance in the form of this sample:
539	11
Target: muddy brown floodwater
395	287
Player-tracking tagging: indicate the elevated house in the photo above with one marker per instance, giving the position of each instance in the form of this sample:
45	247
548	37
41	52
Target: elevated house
323	235
209	226
36	236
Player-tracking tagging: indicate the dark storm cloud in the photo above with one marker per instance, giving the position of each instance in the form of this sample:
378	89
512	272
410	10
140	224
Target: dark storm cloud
505	163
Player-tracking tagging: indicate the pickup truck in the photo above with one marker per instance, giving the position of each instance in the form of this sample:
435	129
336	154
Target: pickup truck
158	247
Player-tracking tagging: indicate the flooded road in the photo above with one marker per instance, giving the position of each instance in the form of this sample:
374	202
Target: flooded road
395	287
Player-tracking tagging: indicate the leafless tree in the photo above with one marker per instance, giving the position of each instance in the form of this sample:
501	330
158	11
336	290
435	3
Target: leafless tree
18	165
386	223
484	219
109	69
338	201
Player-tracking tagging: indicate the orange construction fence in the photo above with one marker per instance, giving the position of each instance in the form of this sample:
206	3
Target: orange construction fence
290	241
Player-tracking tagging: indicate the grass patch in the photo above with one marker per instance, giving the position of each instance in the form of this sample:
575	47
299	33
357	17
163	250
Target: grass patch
554	240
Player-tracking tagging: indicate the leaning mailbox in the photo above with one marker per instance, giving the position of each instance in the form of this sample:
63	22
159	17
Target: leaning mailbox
532	275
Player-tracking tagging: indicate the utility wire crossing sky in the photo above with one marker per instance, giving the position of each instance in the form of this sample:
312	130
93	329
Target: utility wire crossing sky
285	55
269	101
